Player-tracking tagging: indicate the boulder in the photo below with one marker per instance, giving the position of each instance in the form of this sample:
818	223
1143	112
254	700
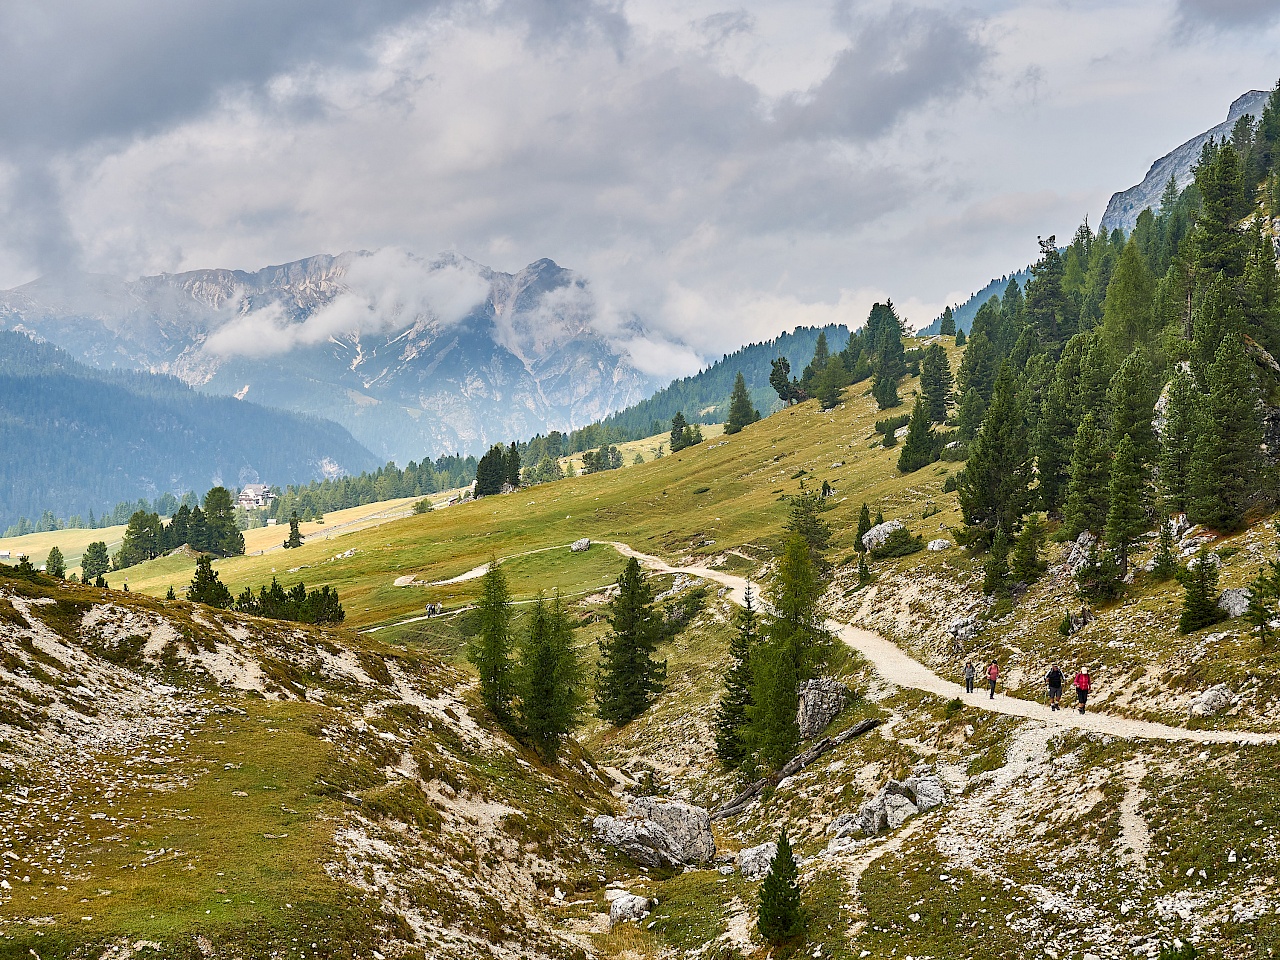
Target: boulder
964	629
874	538
1214	700
897	810
821	700
660	833
894	804
580	545
1234	601
1079	553
937	546
628	907
926	788
754	862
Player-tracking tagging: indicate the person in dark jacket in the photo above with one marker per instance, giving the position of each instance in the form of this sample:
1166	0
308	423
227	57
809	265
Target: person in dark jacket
1053	679
970	671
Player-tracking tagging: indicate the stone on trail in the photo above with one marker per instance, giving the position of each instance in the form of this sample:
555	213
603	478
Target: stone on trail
628	907
1234	601
660	833
874	538
821	701
578	546
754	862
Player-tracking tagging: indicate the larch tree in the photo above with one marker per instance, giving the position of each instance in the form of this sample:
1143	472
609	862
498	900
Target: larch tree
490	649
547	679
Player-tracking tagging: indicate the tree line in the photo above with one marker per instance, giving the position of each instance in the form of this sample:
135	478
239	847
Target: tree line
297	604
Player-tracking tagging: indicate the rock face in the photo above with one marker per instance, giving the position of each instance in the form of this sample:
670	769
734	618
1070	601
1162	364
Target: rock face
894	804
1079	554
1125	206
874	538
753	863
628	907
578	546
963	629
937	546
1214	700
821	701
1234	601
660	833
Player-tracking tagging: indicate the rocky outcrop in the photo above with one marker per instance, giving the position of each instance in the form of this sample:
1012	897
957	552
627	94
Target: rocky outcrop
821	701
629	907
894	804
753	862
1234	601
578	546
1214	700
1080	549
937	546
660	833
963	629
874	538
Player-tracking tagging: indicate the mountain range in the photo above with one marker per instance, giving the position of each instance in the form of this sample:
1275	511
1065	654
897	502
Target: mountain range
414	357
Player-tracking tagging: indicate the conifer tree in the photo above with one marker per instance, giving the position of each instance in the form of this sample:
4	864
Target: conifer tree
864	572
1264	603
1126	511
490	649
891	364
1166	565
979	367
787	389
295	534
1049	309
630	678
1200	602
513	465
1218	243
973	410
547	680
780	918
864	524
1055	437
223	537
206	587
679	432
741	412
995	486
94	562
1226	461
936	382
54	564
1127	318
1026	565
961	339
830	382
995	571
1087	493
1132	399
948	326
806	521
1178	442
735	702
921	446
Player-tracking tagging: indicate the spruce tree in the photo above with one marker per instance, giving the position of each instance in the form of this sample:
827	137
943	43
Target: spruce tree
94	562
1226	462
512	465
547	679
1049	310
1126	511
630	679
921	446
780	918
679	433
1055	438
741	412
864	572
1264	603
206	587
1131	398
1128	320
54	564
995	571
936	382
973	410
864	524
979	367
1166	565
223	536
1026	566
961	339
805	520
1200	602
995	486
831	382
295	534
1178	442
735	702
1087	493
891	364
490	649
948	326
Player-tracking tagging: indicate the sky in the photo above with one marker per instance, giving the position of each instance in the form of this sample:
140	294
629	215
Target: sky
718	171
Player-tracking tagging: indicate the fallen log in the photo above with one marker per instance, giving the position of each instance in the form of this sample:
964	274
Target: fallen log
825	745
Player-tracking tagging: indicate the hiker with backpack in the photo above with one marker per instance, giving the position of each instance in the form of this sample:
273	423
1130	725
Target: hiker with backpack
970	671
993	674
1083	685
1053	679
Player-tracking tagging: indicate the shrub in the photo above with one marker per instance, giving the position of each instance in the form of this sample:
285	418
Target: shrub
899	543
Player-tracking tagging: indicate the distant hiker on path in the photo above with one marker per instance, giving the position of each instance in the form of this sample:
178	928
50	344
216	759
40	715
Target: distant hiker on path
1083	686
993	674
970	671
1054	681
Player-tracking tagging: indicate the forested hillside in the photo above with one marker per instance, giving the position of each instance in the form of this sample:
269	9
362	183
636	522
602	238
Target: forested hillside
78	440
964	313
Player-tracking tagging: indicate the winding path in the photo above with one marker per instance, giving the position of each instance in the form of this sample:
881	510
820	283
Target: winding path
895	666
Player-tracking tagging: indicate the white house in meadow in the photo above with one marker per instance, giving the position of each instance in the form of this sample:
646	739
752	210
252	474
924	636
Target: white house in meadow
255	496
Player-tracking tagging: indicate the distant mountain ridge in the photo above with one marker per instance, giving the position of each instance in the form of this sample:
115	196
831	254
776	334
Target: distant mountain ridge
1124	206
78	439
414	357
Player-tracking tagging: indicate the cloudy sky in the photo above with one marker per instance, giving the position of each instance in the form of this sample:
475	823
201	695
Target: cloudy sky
724	170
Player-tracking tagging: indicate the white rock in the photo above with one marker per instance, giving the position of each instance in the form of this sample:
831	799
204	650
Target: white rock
660	833
628	907
820	701
898	810
1214	700
753	863
876	536
580	545
937	546
1234	601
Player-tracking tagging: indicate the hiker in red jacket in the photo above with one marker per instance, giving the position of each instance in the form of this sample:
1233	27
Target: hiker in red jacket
1083	686
993	674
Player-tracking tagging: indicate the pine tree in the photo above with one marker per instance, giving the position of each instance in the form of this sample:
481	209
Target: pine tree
1200	602
805	520
1126	512
679	433
780	918
630	679
512	465
547	680
1226	462
735	702
995	486
54	564
864	572
891	364
1264	603
961	339
1132	399
1087	493
1049	310
1026	565
979	367
1166	565
490	649
170	595
206	588
921	446
995	571
741	412
784	385
864	524
94	562
936	382
973	410
223	537
948	326
491	471
295	534
831	382
1178	442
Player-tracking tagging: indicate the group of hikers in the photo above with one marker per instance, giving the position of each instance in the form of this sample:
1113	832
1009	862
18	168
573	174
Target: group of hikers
1053	682
435	609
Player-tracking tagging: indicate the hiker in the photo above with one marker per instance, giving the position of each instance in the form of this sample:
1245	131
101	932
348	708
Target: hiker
970	671
993	674
1083	686
1054	681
